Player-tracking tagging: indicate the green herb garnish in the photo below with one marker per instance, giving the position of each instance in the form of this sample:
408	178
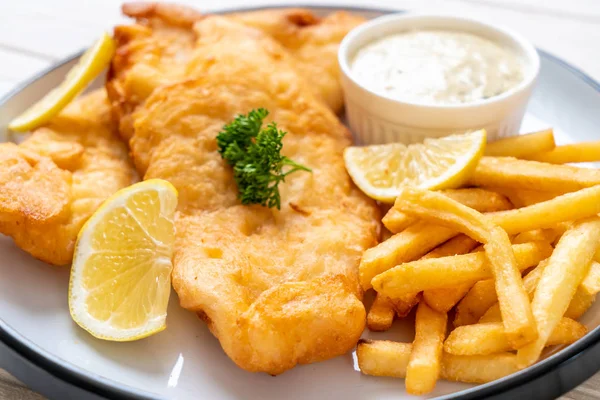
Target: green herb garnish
255	155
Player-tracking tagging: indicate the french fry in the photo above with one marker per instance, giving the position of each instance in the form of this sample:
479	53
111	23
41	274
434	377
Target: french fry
478	369
476	302
515	307
537	235
408	245
522	146
403	306
523	197
591	283
416	240
383	357
482	297
489	338
444	299
566	269
514	303
381	314
478	199
434	273
582	300
571	153
567	331
532	175
460	244
548	214
457	245
580	303
491	315
586	293
396	221
387	358
437	208
425	358
530	283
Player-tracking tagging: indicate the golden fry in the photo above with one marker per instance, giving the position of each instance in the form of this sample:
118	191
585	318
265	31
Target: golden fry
437	208
478	369
582	300
532	175
403	306
580	303
444	299
514	302
548	214
408	245
457	245
396	221
567	267
489	338
566	331
479	199
537	235
434	273
483	296
480	298
491	315
386	358
383	357
425	358
460	244
523	197
515	307
381	314
591	283
570	153
522	146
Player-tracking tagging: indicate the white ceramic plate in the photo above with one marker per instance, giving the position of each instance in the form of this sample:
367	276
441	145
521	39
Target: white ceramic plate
186	361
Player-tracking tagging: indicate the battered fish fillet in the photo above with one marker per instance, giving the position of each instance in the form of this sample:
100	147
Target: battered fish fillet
277	288
155	51
52	182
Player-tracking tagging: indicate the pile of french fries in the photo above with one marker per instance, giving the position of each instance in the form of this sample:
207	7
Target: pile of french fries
510	260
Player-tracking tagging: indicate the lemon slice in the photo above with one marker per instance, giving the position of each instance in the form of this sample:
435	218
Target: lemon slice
121	273
91	63
382	170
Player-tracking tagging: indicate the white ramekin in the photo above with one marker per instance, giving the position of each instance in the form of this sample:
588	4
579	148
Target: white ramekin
375	118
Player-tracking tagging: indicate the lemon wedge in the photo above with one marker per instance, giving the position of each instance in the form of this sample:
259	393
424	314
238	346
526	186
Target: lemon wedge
442	163
90	65
121	273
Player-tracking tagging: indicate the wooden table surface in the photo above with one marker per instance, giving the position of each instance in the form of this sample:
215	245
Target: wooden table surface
36	33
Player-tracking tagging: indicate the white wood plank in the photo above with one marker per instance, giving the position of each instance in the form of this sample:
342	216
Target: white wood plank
18	66
585	10
61	27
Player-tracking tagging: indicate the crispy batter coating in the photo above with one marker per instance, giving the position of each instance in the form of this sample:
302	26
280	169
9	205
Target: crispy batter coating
52	182
276	287
33	187
155	50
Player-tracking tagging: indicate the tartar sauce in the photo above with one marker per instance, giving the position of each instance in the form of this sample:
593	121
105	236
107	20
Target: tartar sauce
437	67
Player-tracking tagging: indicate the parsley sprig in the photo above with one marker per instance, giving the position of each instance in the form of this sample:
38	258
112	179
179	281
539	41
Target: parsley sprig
255	155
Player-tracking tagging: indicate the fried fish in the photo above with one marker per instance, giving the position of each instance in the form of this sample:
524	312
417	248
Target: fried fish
155	50
276	287
52	182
